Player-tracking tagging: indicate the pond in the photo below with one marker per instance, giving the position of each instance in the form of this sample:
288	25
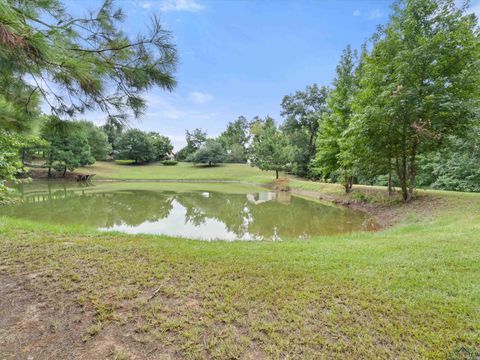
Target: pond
194	211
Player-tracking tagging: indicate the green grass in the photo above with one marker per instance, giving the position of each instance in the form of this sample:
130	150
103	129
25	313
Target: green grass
412	291
182	171
185	171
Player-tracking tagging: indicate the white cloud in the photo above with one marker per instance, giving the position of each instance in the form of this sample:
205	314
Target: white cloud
200	98
357	13
181	5
374	14
146	5
170	108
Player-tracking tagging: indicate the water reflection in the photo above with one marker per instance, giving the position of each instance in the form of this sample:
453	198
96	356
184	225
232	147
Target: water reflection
204	215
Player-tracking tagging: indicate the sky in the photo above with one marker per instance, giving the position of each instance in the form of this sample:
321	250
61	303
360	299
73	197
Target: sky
241	57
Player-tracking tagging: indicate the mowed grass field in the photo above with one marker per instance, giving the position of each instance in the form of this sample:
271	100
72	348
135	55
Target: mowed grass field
409	291
181	171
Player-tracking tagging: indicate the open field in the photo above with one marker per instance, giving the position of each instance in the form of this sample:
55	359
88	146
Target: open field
186	171
410	291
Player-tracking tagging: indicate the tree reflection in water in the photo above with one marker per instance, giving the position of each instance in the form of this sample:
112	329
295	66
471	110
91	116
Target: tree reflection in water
197	214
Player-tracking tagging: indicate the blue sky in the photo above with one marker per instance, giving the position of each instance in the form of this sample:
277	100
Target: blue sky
241	57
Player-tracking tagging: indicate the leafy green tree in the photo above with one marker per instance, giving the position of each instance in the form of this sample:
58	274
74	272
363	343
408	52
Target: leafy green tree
19	104
237	154
67	146
114	132
182	154
135	145
303	111
90	63
11	167
161	145
453	167
258	124
235	139
271	149
195	139
211	152
332	158
19	114
97	140
420	84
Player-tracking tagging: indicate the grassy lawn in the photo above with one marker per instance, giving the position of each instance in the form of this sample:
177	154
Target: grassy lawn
185	171
411	291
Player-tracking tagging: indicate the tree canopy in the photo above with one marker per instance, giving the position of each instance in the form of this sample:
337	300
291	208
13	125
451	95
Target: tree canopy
76	64
419	84
211	152
303	111
161	145
195	139
271	149
67	146
134	145
235	139
332	157
97	140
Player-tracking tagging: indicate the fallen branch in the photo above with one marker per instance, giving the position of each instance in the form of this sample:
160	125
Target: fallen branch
154	293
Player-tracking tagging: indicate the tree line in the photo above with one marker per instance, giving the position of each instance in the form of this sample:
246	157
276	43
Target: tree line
66	145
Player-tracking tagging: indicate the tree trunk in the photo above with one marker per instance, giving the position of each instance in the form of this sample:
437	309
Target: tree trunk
347	181
311	144
50	164
64	171
209	163
403	183
348	184
276	171
402	168
412	170
390	187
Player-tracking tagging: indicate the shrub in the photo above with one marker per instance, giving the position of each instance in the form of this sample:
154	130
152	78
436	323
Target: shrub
125	162
169	162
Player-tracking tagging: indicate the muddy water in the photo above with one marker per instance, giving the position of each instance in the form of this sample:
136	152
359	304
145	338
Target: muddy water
207	214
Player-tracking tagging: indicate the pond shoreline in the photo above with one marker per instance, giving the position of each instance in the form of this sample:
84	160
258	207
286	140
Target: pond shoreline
194	210
383	216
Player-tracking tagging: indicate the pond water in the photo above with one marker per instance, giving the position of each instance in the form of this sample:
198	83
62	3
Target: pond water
208	213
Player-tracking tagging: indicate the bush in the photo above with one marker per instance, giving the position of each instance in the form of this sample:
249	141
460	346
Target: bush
169	162
125	162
